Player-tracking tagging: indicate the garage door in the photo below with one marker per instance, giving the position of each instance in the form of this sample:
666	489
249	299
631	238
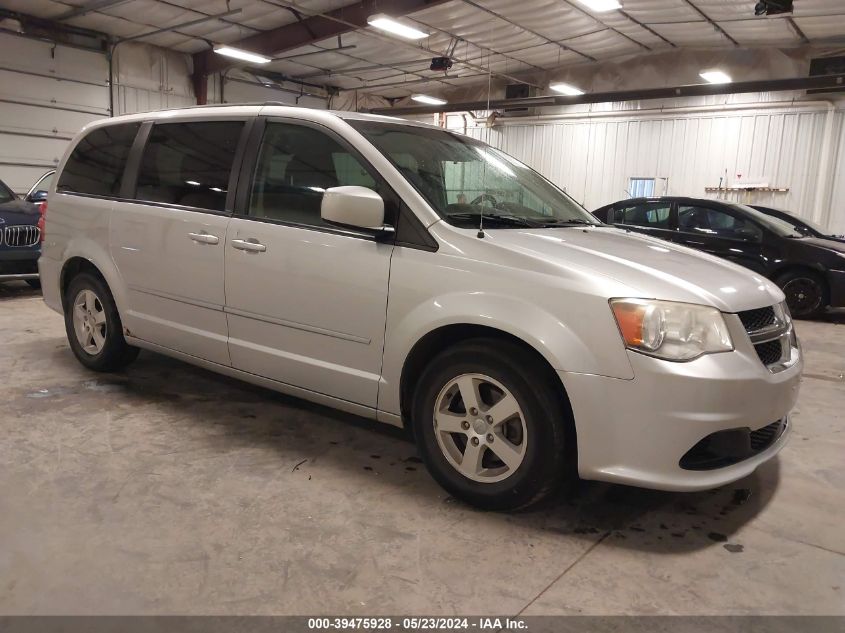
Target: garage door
47	93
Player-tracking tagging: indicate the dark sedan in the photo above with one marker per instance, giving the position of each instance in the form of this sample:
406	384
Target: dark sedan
810	270
803	226
20	238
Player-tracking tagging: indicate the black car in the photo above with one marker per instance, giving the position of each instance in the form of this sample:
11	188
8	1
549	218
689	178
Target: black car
810	270
804	227
20	238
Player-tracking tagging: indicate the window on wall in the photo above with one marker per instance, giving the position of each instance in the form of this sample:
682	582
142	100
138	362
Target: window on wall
189	163
641	188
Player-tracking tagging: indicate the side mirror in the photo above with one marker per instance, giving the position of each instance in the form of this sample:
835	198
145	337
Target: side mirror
37	196
353	206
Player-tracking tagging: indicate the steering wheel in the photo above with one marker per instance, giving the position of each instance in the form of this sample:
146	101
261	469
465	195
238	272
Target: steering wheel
483	197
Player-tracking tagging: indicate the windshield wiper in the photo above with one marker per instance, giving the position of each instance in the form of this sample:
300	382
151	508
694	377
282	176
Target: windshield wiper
513	220
570	222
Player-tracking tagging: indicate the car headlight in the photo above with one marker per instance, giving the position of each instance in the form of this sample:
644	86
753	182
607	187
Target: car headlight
671	330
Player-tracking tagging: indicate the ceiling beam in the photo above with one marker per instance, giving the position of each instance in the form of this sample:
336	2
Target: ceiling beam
94	5
311	29
695	90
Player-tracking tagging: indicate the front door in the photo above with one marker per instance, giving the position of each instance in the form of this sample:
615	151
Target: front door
305	300
721	232
169	243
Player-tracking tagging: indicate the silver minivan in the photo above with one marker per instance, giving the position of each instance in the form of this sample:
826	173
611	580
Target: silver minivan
415	276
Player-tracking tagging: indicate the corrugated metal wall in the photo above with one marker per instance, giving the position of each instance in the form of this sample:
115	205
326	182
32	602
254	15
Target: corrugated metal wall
594	159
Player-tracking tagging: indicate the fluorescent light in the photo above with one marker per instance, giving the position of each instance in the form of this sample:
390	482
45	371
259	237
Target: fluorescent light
429	100
567	89
599	6
218	189
385	23
715	76
246	56
193	183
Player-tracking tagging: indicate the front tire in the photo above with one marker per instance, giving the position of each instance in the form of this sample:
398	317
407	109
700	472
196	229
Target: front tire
806	293
93	326
491	423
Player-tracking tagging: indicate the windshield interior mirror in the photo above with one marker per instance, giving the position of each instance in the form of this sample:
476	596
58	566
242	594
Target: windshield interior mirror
354	206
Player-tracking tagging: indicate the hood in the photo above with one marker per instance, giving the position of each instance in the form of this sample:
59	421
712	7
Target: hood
829	243
649	267
18	212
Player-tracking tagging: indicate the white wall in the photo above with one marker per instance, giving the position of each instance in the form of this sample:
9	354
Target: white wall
593	158
49	92
46	94
150	78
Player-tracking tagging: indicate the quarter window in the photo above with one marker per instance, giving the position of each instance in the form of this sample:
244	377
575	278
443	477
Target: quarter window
651	214
296	165
717	223
97	162
189	163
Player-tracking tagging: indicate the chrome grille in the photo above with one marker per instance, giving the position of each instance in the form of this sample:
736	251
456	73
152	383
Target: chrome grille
770	331
22	235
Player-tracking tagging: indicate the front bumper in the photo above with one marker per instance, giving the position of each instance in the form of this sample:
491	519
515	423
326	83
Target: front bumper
638	431
19	264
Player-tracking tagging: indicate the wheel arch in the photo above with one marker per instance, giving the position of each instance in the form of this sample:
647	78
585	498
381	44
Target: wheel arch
819	272
73	267
446	336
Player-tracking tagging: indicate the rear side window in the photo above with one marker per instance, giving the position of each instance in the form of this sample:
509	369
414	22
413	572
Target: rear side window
96	164
651	214
189	163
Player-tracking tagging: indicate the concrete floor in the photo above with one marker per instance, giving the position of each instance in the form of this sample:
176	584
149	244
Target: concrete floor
169	489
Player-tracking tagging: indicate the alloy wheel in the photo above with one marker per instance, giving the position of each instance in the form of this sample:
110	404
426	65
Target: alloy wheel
89	322
803	295
480	428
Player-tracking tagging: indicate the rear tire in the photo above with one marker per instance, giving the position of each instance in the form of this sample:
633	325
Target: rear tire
806	293
93	325
503	458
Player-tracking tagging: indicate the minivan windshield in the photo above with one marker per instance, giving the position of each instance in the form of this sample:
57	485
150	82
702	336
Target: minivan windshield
464	179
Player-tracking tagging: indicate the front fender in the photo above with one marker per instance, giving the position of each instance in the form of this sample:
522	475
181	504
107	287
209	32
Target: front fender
564	345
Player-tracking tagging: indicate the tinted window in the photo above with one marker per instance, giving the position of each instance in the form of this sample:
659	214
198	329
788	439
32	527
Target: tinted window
189	163
653	214
96	164
6	194
296	165
716	223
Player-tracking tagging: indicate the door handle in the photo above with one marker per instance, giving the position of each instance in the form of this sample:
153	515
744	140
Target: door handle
204	238
250	245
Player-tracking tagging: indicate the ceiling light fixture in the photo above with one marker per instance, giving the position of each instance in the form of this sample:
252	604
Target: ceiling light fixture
715	76
386	23
567	89
246	56
600	6
429	100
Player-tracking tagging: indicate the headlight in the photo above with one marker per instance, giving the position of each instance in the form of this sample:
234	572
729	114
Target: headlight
670	330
